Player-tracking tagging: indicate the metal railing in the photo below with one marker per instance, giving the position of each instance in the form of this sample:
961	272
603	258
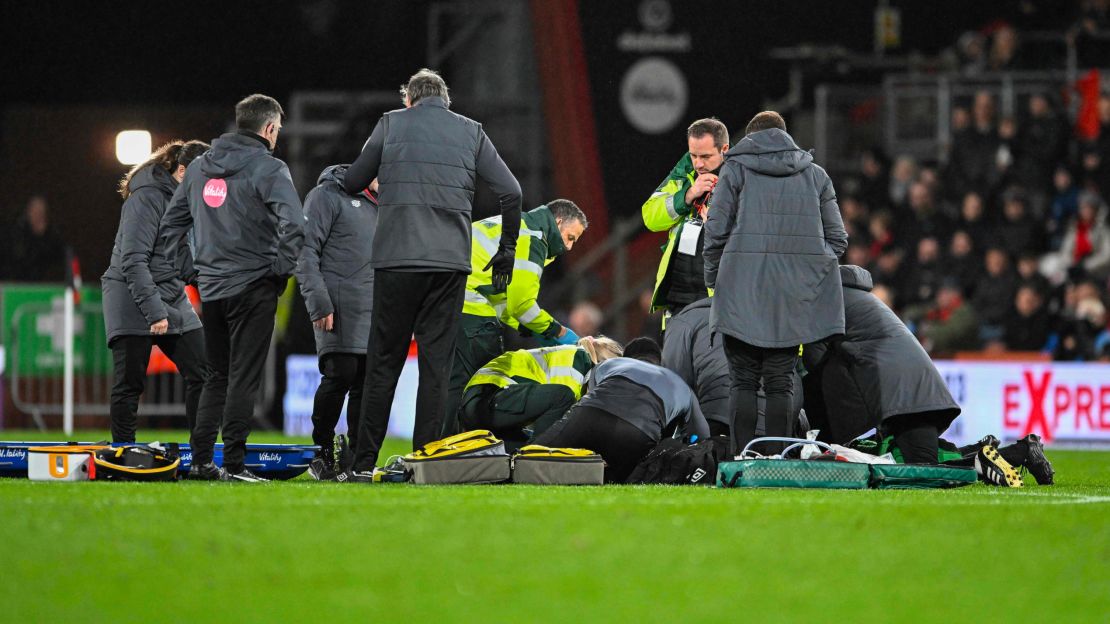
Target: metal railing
38	379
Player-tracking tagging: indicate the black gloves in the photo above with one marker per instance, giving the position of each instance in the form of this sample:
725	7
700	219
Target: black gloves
502	263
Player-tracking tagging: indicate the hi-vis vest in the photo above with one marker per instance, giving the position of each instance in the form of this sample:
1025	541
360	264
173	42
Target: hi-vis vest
565	365
667	209
517	305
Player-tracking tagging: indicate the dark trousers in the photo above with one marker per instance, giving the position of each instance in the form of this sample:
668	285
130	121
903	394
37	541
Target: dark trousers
507	411
477	342
342	373
917	435
237	334
424	305
131	355
748	364
619	443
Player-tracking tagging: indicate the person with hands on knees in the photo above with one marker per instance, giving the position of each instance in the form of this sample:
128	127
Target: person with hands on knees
491	301
338	285
144	297
427	160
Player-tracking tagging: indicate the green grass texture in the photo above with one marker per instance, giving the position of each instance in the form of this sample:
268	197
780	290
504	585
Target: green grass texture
307	551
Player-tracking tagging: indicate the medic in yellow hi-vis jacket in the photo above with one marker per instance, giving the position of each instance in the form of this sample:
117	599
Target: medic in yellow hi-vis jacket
530	388
679	204
546	233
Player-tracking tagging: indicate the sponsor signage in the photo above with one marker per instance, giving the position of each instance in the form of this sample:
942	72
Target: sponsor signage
1066	403
303	377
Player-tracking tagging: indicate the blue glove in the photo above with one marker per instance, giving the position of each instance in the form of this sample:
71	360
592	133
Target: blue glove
568	338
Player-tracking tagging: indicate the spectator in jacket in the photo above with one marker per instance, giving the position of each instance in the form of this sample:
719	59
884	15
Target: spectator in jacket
144	296
34	251
773	265
1018	231
427	160
630	404
951	325
994	294
1087	241
1028	323
974	221
924	275
546	233
1040	143
338	286
248	228
1064	207
973	150
919	218
962	263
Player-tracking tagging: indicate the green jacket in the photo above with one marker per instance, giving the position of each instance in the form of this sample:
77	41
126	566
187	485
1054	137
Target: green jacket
667	209
539	243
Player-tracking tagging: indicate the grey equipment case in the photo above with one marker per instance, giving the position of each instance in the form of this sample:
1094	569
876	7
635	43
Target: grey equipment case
470	457
541	465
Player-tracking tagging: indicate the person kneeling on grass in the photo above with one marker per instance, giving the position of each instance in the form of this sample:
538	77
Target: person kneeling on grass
631	404
877	376
530	388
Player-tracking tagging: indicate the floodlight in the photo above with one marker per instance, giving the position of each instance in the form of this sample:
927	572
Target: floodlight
133	146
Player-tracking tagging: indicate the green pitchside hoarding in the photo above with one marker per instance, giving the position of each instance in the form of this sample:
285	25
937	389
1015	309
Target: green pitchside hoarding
32	332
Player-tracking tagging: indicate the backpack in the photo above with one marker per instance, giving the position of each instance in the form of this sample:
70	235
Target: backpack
674	461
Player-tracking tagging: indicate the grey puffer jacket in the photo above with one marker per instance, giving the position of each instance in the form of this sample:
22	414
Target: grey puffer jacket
142	285
427	160
877	371
771	245
245	215
334	268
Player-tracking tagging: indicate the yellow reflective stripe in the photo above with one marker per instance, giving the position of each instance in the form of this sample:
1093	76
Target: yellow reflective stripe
669	203
528	265
532	233
485	242
473	297
540	360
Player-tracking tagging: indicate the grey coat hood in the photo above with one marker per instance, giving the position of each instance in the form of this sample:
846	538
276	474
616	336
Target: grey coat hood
771	152
856	277
155	177
230	154
334	173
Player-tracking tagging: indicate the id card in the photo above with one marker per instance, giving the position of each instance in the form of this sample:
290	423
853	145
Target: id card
688	240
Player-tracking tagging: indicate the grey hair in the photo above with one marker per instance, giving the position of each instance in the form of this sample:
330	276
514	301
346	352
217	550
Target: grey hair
565	210
425	83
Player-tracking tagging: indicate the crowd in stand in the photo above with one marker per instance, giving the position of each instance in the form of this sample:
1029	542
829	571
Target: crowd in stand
1006	247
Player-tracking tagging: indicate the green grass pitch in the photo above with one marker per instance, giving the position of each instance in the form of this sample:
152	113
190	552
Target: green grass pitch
307	551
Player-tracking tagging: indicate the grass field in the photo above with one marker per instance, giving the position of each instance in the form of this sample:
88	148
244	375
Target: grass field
307	551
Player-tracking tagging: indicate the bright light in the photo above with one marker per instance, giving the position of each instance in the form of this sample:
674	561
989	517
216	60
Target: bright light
133	146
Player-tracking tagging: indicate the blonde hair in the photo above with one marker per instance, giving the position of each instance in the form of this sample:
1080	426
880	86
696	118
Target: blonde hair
600	348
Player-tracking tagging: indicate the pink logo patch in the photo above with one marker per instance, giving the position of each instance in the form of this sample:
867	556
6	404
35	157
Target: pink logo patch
215	192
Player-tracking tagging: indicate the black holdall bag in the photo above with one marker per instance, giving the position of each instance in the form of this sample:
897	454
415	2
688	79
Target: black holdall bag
135	463
676	461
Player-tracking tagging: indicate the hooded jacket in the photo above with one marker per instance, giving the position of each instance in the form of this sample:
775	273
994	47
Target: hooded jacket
334	267
679	405
877	371
772	241
690	351
142	284
427	160
245	215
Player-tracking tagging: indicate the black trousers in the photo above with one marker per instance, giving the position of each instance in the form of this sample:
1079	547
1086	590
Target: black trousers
748	364
237	334
917	435
477	342
507	411
424	305
619	443
131	355
342	373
